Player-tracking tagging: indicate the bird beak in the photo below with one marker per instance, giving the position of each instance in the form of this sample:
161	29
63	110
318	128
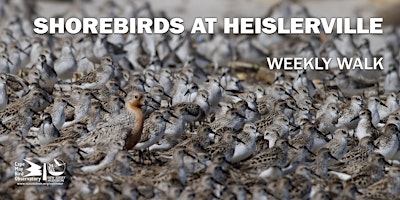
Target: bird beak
121	100
287	93
387	163
68	104
80	155
239	140
167	95
123	91
241	116
94	97
291	146
167	121
103	109
27	47
152	107
294	89
187	92
382	104
9	61
251	109
72	47
313	173
333	157
310	152
24	52
189	154
173	115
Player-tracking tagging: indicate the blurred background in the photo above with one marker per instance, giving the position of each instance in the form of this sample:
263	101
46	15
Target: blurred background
190	9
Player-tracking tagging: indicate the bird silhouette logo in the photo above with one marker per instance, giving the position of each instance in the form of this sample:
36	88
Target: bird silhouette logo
34	169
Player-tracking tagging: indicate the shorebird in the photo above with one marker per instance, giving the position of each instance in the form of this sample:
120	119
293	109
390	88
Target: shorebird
200	141
176	128
276	155
127	126
301	182
111	153
66	65
48	132
80	100
365	127
180	87
249	137
392	79
202	100
48	76
97	78
280	125
373	103
73	132
369	172
386	188
153	99
3	91
388	143
4	63
21	121
390	106
338	144
14	53
327	121
165	80
348	116
358	153
153	129
214	90
57	111
330	97
306	137
232	119
225	146
113	105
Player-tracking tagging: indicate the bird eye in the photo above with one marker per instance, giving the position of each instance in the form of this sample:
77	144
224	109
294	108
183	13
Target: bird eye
136	97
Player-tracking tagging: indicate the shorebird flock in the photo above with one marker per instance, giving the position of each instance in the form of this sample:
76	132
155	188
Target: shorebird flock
194	116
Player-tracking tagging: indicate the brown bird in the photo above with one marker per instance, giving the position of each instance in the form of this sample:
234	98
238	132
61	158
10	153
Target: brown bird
127	126
133	106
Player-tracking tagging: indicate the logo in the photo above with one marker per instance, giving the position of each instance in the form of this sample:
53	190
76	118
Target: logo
30	173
